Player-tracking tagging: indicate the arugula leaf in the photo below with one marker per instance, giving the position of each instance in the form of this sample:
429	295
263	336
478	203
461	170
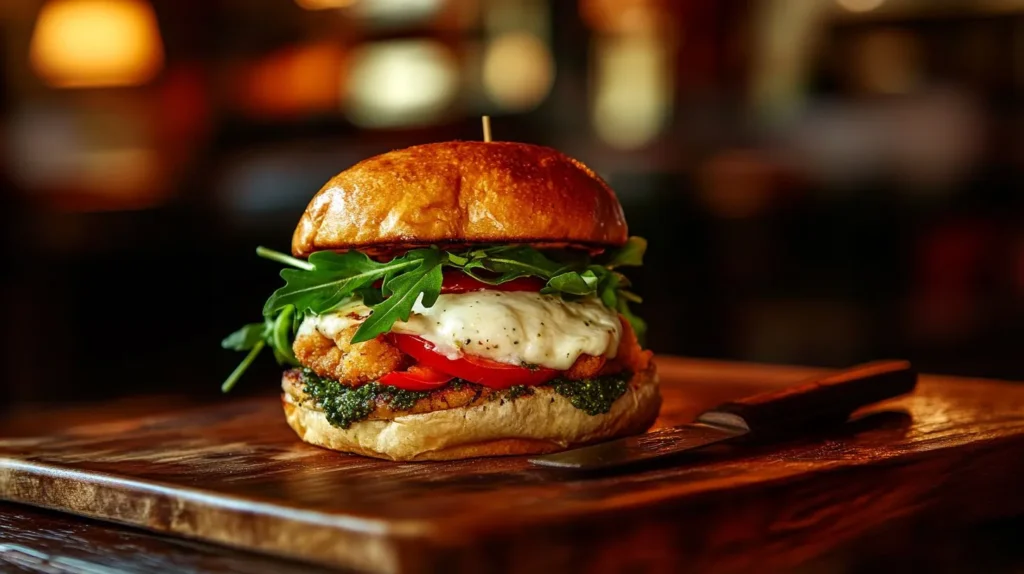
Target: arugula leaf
283	258
509	263
403	292
608	290
630	296
254	337
244	338
630	254
639	325
333	277
369	295
280	332
457	260
229	383
573	283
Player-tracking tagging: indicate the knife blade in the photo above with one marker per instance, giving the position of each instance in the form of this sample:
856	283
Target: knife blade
813	405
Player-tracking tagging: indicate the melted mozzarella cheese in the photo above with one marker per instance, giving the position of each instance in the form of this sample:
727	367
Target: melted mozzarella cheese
331	324
509	327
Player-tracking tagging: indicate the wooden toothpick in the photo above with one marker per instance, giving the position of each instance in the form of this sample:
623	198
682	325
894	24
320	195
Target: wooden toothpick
487	128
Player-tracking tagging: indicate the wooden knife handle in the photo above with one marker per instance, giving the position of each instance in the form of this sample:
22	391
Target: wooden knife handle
816	403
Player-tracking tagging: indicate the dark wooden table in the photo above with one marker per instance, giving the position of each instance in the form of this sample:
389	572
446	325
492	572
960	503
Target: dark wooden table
36	540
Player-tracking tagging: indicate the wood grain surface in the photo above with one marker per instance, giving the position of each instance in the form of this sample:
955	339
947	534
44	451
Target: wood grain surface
233	473
36	540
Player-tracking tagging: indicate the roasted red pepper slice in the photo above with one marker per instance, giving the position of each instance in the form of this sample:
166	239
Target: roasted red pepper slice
477	370
416	378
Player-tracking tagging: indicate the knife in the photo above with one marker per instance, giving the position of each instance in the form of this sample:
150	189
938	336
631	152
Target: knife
813	405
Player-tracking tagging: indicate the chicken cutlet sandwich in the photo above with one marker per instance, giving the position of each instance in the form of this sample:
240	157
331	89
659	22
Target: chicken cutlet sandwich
456	300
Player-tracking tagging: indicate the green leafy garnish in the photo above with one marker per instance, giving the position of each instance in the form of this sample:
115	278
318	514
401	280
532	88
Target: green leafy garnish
275	331
508	262
573	283
630	254
402	291
392	288
332	278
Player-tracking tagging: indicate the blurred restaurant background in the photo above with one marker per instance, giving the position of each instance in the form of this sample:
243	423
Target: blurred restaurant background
822	182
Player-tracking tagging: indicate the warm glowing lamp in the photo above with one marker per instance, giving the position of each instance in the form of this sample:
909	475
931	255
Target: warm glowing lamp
296	80
400	83
323	4
860	5
518	71
96	43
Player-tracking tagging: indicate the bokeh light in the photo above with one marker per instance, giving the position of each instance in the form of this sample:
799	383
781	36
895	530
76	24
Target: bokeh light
105	153
396	13
323	4
622	16
96	43
312	73
860	5
632	93
518	71
400	82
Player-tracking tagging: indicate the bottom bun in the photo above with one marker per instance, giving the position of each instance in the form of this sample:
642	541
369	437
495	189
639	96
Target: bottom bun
540	423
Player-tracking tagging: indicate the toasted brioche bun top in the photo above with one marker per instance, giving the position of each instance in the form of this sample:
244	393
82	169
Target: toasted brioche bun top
460	193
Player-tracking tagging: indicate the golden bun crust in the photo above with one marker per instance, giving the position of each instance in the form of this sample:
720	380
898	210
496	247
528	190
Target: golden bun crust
542	423
456	193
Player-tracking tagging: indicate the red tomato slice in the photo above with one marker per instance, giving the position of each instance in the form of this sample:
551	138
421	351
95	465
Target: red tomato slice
473	369
457	282
416	378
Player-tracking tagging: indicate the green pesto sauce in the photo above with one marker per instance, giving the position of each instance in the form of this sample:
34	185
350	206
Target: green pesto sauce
596	395
512	393
516	391
344	405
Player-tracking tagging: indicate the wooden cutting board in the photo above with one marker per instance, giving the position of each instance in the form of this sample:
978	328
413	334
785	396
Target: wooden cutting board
234	473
